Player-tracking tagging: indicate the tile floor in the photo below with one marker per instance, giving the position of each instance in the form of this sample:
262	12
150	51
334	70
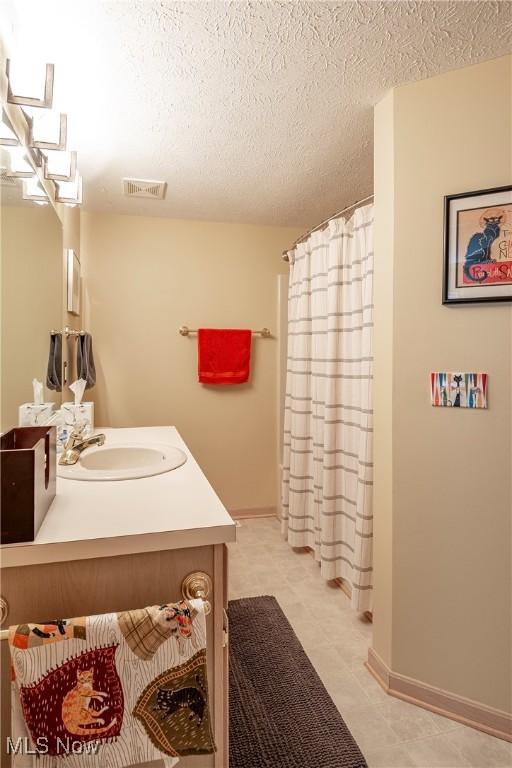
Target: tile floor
391	733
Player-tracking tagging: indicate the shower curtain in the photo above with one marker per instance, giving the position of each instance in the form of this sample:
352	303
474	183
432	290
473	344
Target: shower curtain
328	424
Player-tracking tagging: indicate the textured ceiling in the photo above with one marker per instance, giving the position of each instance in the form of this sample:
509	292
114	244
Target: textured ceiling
251	111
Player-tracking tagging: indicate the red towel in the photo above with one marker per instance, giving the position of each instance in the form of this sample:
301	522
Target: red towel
224	355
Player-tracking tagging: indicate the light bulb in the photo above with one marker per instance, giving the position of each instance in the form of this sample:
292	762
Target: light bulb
49	129
19	164
7	135
33	190
30	82
60	165
70	191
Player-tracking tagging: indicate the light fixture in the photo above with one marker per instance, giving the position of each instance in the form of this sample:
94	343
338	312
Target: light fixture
69	192
33	190
19	165
44	162
59	166
8	137
23	78
48	130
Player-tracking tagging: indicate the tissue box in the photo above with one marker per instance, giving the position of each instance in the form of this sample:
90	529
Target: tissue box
30	415
27	473
78	414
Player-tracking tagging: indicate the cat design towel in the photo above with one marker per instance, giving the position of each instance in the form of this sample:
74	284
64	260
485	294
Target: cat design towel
116	689
146	629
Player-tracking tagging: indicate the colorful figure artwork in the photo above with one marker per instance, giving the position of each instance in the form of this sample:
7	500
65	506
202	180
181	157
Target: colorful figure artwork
32	635
458	390
147	628
484	257
478	246
173	709
86	700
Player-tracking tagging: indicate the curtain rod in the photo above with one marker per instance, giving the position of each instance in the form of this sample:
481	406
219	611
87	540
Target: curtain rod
324	222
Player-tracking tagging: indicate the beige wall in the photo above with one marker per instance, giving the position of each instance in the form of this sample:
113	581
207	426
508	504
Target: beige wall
448	510
147	276
31	250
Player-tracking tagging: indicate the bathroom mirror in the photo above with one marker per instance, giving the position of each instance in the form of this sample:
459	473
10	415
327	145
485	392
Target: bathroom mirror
31	296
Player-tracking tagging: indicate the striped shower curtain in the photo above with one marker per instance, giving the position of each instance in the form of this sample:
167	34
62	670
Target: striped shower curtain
327	456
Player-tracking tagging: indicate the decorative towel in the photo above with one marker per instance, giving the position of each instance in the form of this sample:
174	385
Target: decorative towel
117	689
54	373
224	355
85	361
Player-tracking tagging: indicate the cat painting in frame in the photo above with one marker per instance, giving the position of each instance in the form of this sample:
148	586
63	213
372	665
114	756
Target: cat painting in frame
478	246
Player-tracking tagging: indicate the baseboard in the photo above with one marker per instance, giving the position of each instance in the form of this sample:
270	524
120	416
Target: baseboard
242	514
471	713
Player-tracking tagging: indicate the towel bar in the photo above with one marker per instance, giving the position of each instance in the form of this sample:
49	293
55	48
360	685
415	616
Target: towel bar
265	333
197	585
67	332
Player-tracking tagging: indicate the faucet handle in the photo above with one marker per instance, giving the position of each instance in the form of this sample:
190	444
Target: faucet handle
76	434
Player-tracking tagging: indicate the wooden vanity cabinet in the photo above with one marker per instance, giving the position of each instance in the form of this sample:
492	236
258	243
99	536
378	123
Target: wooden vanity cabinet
38	593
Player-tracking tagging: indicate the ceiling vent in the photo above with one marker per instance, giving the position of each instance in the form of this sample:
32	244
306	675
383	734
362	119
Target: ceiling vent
7	181
144	188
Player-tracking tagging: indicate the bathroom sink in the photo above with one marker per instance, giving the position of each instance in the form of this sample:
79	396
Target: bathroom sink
128	461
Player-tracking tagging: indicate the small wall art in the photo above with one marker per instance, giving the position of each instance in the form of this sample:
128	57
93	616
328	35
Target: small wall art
459	390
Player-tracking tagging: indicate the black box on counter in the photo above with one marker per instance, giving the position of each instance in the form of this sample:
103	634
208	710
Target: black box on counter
27	476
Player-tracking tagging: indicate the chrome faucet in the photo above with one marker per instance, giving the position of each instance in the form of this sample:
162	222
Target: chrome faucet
76	444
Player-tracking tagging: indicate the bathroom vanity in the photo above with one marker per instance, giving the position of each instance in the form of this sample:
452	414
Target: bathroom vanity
111	545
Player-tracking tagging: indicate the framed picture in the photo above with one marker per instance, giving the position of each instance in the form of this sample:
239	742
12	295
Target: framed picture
73	266
478	246
458	390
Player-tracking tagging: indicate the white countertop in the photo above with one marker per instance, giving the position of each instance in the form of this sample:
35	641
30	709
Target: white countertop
97	519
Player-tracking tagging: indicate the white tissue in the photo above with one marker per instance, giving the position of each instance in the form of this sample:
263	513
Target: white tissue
38	392
78	388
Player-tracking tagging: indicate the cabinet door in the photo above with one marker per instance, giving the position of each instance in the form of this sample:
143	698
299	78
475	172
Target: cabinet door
40	593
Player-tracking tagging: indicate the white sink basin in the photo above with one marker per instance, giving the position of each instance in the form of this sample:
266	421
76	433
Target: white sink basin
128	461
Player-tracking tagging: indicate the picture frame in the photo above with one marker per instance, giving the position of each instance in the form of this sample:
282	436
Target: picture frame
73	282
478	246
459	389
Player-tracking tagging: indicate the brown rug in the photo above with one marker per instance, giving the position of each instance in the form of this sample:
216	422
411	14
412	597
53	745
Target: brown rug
280	715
